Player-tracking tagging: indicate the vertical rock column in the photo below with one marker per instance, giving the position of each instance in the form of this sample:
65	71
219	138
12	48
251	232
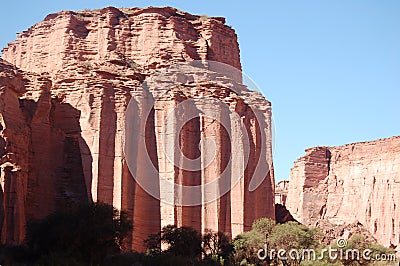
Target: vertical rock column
121	103
107	131
13	198
215	151
146	207
264	175
238	166
189	144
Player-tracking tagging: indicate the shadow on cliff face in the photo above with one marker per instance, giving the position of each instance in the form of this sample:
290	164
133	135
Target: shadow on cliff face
282	214
72	185
41	164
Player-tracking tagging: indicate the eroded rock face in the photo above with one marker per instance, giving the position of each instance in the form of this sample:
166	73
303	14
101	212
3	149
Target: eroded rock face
354	183
63	120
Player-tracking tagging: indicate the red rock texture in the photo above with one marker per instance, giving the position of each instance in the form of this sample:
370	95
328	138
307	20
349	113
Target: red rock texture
354	183
63	117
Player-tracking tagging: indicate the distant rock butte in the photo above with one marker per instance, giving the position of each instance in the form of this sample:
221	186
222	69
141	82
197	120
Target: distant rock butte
354	183
281	192
64	91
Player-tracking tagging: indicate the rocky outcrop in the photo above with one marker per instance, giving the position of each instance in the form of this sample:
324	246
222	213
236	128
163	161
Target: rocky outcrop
281	192
333	232
64	117
354	183
282	215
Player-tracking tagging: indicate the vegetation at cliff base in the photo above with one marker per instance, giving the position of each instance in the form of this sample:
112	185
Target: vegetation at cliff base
94	234
81	235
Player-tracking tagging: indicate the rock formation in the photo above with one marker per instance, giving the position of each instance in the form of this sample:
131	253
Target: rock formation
354	183
281	192
63	110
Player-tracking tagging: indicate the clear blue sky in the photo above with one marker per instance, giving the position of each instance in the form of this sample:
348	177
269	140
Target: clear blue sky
330	68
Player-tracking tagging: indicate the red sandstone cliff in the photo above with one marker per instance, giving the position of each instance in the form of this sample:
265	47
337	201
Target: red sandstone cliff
62	127
358	182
